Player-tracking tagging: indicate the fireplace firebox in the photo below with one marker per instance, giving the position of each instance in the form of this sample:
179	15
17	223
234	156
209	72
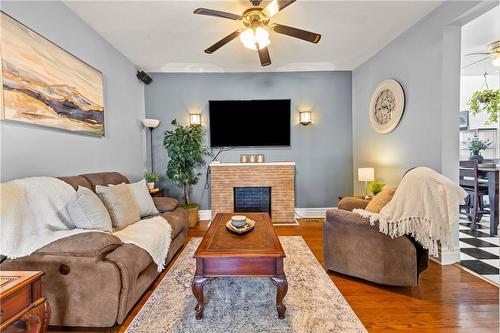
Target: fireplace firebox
252	199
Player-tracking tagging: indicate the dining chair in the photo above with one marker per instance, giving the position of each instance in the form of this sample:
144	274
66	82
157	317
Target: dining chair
476	189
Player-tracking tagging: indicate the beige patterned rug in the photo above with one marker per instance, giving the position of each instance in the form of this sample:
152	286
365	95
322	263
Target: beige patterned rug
314	304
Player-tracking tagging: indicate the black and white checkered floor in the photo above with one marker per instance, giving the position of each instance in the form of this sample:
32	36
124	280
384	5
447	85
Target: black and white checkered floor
479	252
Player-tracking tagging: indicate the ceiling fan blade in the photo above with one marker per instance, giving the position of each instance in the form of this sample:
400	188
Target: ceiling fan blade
265	58
223	41
476	53
217	13
297	33
275	6
475	62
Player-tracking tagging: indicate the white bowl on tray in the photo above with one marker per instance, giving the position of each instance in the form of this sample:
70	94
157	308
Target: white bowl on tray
238	221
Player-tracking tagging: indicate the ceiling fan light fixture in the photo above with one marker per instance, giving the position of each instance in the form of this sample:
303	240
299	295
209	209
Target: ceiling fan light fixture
255	39
496	60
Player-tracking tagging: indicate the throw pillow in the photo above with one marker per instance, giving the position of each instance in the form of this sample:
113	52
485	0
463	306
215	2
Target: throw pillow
380	200
120	203
86	211
141	194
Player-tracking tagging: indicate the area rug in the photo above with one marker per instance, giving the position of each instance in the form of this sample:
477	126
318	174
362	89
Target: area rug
247	305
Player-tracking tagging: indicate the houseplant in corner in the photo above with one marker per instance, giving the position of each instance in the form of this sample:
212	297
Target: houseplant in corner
151	179
475	146
185	148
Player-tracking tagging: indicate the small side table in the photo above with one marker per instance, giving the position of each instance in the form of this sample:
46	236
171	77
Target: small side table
156	192
21	301
353	196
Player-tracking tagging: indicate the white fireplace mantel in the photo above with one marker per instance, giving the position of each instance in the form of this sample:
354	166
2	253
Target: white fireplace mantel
222	164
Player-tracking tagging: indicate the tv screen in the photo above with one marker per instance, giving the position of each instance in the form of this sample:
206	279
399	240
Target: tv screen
249	123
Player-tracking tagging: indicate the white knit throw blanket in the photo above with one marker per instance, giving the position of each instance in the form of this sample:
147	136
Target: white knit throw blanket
32	213
425	206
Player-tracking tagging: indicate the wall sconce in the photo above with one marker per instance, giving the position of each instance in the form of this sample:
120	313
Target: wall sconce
195	119
305	117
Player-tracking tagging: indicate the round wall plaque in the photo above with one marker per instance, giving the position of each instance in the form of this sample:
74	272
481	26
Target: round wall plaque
387	106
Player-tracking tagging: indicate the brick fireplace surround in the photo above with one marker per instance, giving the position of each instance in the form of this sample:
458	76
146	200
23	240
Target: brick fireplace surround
280	176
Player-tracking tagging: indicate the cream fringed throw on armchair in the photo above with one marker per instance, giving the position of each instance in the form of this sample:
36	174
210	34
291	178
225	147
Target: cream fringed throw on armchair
425	206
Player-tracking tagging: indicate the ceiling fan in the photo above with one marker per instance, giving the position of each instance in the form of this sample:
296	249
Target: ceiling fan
493	53
255	34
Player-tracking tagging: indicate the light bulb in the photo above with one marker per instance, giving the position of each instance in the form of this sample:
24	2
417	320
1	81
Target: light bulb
251	38
496	60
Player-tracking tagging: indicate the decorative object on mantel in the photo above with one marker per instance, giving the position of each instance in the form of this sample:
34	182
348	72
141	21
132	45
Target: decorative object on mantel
366	175
195	119
487	100
305	117
475	146
387	106
252	158
151	124
44	85
151	179
186	150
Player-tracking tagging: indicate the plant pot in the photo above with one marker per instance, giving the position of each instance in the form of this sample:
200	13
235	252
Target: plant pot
193	215
475	155
151	186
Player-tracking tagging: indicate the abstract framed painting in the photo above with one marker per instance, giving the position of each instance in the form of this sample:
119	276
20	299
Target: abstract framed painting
42	84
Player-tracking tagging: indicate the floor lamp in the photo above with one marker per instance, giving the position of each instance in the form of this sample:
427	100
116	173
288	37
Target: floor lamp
151	124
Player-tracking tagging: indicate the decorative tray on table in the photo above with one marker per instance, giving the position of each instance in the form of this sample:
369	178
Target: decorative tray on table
246	228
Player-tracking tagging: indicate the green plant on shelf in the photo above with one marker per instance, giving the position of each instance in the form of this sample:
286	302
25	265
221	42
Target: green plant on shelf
151	177
475	144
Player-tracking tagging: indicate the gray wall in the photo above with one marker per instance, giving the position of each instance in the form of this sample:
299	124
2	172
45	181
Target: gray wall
32	151
322	151
426	61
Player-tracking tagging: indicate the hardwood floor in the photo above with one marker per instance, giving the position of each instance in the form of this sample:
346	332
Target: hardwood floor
448	299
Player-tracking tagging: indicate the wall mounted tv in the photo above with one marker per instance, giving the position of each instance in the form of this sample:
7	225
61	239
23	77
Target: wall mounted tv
249	123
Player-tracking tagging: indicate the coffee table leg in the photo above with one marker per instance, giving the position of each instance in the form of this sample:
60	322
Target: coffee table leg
197	287
282	285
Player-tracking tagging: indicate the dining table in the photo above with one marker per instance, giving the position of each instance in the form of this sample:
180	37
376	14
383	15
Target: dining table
490	172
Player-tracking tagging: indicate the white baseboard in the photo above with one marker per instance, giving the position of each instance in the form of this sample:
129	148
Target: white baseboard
311	212
448	257
206	214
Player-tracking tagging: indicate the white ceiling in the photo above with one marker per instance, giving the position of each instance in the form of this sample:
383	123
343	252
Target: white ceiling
476	36
165	36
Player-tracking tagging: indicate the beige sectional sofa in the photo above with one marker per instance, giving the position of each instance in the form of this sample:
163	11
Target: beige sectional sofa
92	279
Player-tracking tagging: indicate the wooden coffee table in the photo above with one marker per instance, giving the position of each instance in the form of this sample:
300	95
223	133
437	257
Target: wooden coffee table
224	254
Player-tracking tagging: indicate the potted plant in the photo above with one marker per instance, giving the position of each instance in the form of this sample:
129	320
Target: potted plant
486	100
186	150
151	179
375	187
475	146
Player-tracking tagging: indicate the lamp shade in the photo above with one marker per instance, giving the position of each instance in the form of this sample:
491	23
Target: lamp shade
150	123
366	174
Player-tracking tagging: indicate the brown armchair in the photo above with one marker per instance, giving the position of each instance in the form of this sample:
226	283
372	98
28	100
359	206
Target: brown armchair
352	247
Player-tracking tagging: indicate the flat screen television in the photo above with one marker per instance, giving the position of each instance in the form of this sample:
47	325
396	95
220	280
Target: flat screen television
249	123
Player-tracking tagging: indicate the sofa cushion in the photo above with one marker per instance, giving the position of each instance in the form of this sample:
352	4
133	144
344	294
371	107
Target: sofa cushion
120	203
76	181
165	204
105	178
380	200
177	219
143	198
86	211
88	244
350	203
